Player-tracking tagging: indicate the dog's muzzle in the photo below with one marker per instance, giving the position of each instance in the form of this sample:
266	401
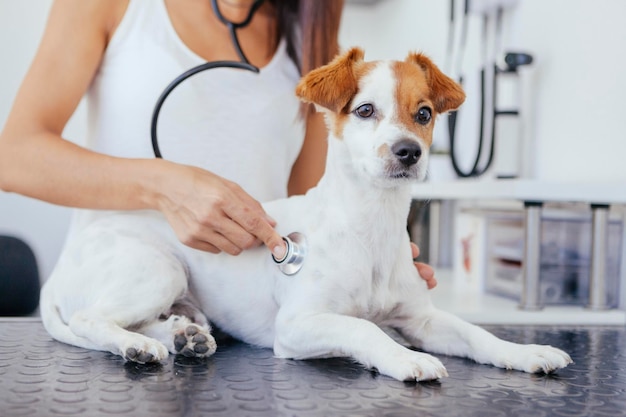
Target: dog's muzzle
407	152
292	262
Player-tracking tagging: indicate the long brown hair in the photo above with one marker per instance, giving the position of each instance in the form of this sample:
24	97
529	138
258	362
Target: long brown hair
311	29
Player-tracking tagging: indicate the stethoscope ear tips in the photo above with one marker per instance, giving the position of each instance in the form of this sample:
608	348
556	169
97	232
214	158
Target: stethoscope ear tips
292	262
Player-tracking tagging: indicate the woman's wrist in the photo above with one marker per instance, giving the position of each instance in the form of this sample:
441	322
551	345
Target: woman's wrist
156	178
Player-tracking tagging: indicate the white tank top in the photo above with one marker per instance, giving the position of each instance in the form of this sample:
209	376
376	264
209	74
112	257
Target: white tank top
240	125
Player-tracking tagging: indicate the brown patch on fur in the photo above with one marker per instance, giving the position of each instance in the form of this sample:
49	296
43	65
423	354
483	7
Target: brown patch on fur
420	83
445	93
383	151
334	85
412	93
339	120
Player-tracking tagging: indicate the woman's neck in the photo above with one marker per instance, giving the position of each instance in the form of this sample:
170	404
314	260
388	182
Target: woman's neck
236	11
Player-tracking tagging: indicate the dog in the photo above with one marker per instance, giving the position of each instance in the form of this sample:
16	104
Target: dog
126	285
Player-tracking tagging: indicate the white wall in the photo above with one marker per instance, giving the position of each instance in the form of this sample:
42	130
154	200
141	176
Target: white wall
578	123
41	225
581	86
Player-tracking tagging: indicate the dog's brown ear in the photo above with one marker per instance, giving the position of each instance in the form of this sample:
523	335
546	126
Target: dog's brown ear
332	86
446	94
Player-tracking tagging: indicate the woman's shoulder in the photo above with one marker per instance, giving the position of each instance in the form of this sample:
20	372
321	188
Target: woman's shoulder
102	15
112	12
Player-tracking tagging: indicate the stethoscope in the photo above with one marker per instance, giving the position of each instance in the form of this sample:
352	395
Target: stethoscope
512	62
243	63
295	242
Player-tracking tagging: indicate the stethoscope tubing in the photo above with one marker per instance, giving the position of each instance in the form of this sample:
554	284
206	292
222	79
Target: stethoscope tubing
187	74
243	64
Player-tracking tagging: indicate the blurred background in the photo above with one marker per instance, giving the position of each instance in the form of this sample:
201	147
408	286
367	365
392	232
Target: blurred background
566	108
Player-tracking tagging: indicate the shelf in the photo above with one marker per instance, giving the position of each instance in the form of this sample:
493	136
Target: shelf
523	190
481	308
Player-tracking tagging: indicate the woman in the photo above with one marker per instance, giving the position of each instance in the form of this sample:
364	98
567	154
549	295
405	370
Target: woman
221	133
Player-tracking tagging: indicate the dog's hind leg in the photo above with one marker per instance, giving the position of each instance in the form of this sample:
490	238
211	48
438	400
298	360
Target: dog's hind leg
438	331
111	283
185	331
104	333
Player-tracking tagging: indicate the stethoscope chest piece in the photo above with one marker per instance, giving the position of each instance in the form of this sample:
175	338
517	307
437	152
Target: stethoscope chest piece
292	262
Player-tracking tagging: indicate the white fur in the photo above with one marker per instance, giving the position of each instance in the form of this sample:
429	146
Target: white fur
122	273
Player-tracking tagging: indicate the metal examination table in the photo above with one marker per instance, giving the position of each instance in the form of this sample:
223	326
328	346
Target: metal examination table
41	377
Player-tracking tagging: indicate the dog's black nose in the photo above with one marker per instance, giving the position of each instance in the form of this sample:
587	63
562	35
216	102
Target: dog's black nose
407	151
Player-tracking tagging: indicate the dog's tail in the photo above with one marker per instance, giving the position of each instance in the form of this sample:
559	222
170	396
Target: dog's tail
56	326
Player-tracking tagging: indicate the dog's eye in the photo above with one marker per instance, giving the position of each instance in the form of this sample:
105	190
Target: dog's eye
364	111
423	115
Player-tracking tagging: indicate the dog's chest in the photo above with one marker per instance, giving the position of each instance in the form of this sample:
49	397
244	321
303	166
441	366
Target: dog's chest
358	251
357	281
372	300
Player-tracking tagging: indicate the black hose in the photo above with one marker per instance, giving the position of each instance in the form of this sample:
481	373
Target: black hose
180	79
242	64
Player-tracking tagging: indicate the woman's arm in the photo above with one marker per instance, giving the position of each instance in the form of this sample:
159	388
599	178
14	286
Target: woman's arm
34	159
310	165
206	211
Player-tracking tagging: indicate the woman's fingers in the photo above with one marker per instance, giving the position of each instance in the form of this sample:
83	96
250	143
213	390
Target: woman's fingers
257	225
415	250
215	215
424	270
427	273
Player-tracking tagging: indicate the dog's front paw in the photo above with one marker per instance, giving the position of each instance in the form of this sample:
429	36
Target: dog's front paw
410	365
535	359
194	341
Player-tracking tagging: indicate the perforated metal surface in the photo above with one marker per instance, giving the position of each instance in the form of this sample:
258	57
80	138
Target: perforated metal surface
40	377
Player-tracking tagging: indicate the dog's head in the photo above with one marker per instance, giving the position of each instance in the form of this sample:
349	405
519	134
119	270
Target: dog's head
384	111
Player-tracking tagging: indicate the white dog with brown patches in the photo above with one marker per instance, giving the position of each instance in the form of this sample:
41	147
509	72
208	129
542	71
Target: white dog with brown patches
122	285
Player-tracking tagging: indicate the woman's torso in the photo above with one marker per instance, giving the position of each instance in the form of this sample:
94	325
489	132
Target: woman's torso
238	124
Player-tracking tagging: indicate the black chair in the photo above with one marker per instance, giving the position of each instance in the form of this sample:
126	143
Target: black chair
19	278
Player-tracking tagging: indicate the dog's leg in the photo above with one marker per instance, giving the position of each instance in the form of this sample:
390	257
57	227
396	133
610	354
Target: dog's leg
327	334
105	333
118	277
184	330
441	332
181	336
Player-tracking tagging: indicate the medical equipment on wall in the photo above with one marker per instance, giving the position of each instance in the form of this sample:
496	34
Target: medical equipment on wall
295	242
491	72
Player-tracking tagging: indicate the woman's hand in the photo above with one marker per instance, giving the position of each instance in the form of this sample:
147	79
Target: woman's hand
425	271
210	213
